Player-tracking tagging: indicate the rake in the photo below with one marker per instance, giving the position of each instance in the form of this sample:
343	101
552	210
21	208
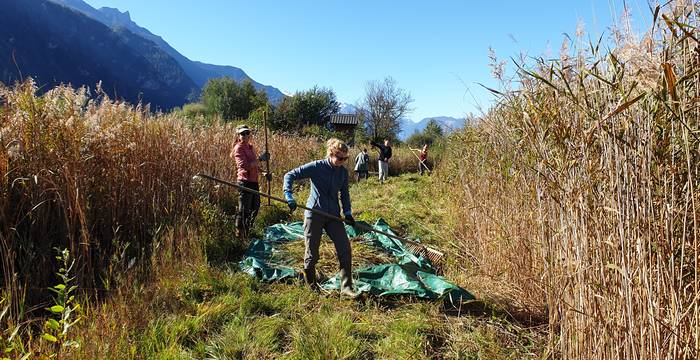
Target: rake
436	257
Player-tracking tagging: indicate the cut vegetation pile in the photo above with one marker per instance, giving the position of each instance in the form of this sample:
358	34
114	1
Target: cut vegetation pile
291	254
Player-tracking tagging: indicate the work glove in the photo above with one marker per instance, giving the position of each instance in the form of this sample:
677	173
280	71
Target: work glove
264	156
350	220
290	201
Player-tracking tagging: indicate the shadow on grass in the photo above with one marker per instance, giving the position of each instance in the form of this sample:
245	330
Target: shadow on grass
497	309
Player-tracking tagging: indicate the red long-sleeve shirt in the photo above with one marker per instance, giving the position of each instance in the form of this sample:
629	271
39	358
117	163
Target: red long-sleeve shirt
246	162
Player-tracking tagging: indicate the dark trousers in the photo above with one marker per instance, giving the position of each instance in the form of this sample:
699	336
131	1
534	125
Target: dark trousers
313	229
248	206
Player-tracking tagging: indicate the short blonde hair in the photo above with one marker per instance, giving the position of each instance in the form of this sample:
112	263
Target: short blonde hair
335	146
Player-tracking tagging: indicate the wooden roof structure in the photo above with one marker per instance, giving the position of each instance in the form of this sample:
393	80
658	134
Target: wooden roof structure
345	119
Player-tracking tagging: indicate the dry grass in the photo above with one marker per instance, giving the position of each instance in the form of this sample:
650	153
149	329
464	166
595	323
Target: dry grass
580	193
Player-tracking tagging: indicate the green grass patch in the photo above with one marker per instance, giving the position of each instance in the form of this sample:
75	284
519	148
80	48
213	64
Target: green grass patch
249	338
326	334
274	213
406	202
217	233
217	312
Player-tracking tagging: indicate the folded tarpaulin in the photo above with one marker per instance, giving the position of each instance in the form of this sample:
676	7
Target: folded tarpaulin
411	274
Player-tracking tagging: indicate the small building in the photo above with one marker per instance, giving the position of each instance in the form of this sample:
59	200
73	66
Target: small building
345	123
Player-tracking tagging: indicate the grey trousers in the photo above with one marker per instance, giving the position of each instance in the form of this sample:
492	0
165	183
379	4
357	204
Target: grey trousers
313	229
383	170
421	167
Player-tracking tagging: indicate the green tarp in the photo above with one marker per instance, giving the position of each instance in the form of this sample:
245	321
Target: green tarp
409	275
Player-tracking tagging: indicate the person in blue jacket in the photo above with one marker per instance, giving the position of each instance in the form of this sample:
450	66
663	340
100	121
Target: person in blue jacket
329	181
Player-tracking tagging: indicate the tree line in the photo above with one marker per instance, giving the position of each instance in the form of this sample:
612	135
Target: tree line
224	99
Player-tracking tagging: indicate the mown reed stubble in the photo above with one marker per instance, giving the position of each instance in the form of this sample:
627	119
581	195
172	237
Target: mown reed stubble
578	193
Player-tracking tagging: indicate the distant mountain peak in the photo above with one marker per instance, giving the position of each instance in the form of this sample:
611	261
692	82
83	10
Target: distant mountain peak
346	108
123	16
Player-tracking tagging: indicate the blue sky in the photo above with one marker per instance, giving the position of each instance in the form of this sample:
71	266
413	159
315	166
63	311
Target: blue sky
437	50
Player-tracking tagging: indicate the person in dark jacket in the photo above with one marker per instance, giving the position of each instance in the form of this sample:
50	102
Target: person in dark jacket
384	156
247	170
329	181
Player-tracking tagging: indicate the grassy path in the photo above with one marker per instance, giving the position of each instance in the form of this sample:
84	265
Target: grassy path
220	313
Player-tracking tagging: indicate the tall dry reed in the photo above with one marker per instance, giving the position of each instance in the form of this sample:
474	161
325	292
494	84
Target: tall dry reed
580	192
102	179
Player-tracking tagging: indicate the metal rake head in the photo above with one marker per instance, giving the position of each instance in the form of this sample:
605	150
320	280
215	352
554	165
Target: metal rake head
436	257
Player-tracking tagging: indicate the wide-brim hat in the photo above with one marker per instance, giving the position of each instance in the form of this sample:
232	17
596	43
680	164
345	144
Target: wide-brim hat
242	128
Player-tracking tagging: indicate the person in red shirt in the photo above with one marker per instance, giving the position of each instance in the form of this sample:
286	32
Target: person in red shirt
247	170
422	158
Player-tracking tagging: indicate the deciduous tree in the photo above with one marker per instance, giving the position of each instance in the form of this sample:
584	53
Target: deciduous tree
230	99
305	108
383	107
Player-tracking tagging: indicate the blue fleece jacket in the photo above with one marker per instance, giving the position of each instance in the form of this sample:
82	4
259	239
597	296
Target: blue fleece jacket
326	182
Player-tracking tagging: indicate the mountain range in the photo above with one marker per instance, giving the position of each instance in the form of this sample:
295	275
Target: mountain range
408	126
68	41
447	124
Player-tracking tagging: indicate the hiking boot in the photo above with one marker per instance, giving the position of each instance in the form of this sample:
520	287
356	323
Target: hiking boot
346	284
310	280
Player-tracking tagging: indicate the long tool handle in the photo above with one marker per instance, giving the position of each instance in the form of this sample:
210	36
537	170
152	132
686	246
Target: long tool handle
315	211
419	160
267	162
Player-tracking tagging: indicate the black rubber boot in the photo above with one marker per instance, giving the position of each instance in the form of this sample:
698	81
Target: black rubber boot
346	284
310	280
